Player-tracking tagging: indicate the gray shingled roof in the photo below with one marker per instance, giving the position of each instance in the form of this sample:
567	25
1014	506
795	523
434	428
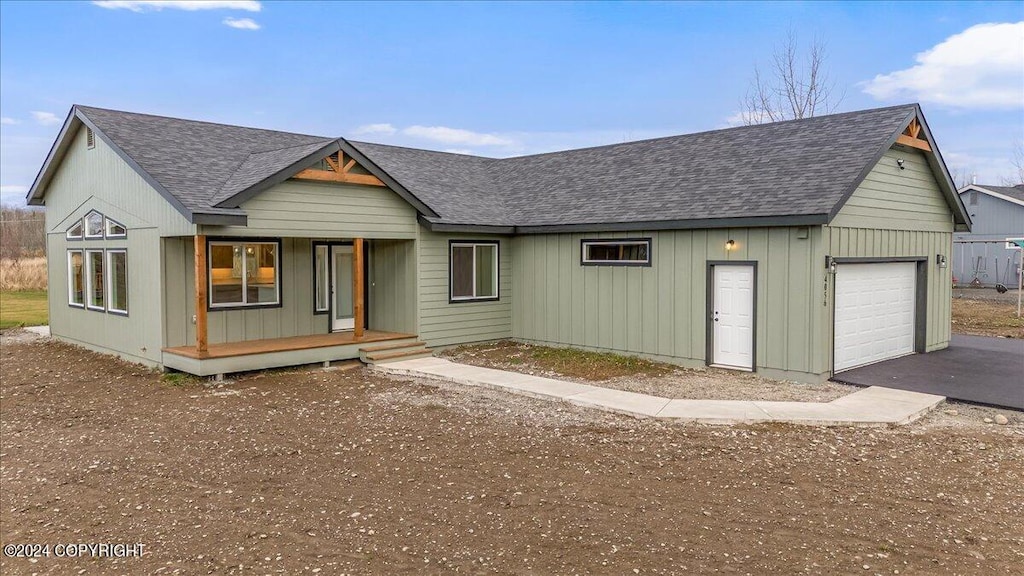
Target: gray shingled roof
802	167
786	169
200	163
1016	192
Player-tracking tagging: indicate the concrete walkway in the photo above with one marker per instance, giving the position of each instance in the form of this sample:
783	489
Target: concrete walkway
873	406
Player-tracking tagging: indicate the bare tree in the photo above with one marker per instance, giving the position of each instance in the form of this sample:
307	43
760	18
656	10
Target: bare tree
961	176
794	86
1017	161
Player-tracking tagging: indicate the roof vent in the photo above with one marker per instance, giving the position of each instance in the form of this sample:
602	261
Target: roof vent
90	138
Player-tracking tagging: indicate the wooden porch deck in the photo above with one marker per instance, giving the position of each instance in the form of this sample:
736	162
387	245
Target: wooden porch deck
290	344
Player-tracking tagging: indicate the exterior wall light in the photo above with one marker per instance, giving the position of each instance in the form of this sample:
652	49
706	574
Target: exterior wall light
830	264
899	162
940	260
730	245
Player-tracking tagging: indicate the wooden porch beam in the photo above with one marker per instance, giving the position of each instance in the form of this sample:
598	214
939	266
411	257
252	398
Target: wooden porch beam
345	177
358	302
913	142
199	249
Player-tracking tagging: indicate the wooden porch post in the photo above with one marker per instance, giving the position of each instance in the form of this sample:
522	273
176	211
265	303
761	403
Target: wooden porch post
358	306
201	284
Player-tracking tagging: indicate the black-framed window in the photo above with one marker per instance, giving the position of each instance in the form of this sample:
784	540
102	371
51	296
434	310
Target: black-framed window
616	252
244	273
473	271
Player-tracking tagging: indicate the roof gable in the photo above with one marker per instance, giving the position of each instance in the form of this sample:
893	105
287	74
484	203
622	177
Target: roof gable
1011	194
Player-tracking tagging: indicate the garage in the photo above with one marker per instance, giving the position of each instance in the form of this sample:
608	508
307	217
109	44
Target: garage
874	312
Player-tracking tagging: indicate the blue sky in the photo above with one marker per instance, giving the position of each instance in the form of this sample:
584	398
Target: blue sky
498	79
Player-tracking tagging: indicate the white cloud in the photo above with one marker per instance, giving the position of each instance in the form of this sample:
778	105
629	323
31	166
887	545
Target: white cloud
189	5
447	135
6	121
981	67
46	118
13	195
737	119
241	23
385	129
465	151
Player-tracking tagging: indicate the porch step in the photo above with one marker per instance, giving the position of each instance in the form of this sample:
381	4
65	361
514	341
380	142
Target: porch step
391	352
398	346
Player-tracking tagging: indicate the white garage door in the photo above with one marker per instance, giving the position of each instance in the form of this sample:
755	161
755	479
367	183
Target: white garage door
874	316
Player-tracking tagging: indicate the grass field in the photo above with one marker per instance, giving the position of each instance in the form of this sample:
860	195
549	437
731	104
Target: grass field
25	308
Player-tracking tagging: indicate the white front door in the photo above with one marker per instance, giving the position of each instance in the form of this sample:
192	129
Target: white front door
342	317
732	316
874	315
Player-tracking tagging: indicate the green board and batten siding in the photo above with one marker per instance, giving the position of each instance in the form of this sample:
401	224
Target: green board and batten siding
97	179
293	318
660	311
443	323
900	213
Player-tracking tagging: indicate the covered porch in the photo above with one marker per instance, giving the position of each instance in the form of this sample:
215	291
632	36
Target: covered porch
318	300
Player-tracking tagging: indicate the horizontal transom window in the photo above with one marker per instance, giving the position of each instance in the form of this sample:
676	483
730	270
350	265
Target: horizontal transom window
625	252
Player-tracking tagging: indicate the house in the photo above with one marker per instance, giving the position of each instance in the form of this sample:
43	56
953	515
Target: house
795	249
984	256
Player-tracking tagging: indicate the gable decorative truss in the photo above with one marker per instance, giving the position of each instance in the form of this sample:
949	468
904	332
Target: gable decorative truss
913	137
338	167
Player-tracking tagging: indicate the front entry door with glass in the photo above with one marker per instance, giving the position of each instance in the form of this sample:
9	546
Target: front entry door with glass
342	317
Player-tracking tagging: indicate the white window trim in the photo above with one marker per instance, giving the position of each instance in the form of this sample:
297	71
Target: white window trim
71	284
70	236
587	243
451	272
87	266
109	287
278	248
85	226
106	228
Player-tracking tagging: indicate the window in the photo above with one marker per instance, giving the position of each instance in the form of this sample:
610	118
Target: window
626	252
244	274
974	198
94	279
75	232
117	281
474	271
76	278
94	225
321	273
114	229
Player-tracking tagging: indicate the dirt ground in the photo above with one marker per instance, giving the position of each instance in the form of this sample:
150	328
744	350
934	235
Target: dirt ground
307	471
986	312
637	375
